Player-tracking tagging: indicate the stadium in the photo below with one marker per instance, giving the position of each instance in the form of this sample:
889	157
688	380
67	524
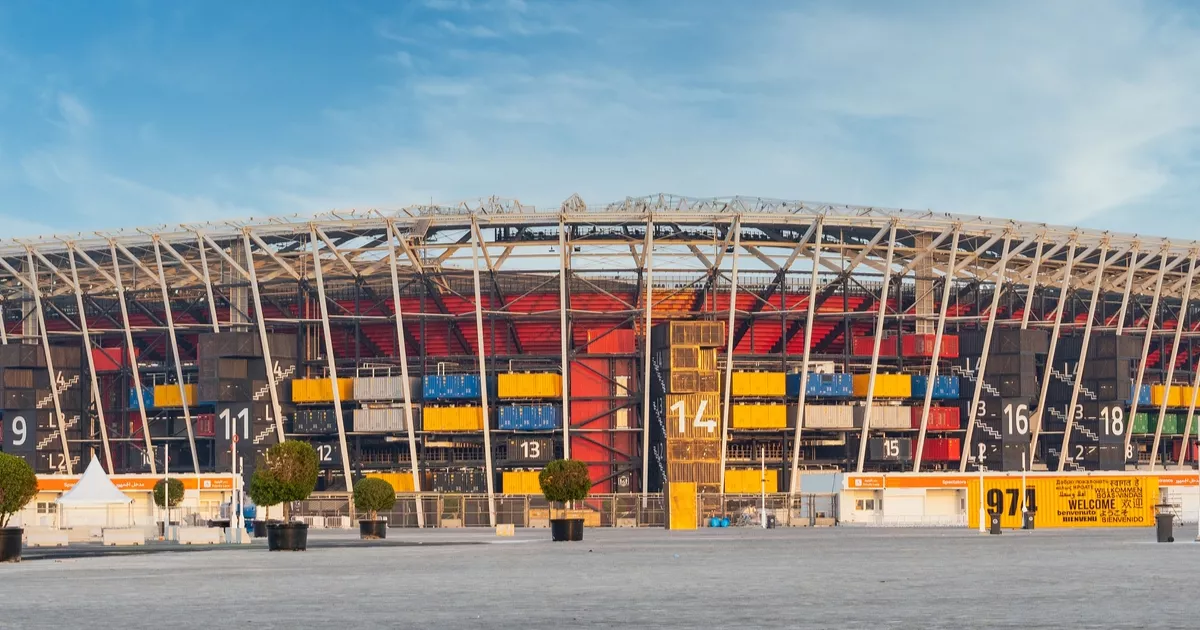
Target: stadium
692	352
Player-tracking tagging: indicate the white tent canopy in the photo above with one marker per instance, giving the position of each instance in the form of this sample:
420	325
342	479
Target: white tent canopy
94	489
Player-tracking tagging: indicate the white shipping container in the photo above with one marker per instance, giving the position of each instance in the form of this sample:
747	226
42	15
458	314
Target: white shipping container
384	419
385	388
885	417
828	416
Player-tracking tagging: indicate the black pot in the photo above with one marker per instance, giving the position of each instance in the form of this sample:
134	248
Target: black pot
10	544
566	529
369	530
260	529
291	536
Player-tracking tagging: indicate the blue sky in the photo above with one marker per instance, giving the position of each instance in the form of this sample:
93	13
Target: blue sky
119	114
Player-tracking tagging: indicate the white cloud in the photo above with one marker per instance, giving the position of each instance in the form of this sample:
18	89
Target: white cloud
75	115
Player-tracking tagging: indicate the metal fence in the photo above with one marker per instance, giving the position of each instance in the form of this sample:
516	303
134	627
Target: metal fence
598	510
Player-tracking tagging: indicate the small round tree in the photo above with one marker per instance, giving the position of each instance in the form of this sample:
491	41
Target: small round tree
287	473
373	495
565	480
18	486
168	493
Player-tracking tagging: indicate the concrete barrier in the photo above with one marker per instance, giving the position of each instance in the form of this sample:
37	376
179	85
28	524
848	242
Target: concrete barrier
506	530
539	523
124	537
83	534
200	536
45	538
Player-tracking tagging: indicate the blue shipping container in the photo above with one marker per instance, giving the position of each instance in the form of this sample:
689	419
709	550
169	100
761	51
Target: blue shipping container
529	418
822	385
451	387
148	397
1144	399
944	387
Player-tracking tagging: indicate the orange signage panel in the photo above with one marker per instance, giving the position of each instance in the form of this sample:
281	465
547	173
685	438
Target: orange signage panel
139	483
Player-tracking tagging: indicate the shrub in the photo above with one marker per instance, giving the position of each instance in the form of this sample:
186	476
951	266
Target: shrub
175	493
373	495
18	486
287	473
565	480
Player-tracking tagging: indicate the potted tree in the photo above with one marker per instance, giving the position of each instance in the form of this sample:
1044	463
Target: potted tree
372	496
288	473
565	481
168	493
18	486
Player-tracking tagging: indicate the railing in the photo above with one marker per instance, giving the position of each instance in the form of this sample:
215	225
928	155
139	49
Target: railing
598	510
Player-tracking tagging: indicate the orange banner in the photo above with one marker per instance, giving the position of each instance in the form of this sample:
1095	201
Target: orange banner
131	483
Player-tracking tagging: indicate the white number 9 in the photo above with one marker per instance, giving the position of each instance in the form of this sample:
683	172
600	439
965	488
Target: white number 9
19	429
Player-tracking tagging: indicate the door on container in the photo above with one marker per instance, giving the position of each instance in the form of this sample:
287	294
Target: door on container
944	506
903	505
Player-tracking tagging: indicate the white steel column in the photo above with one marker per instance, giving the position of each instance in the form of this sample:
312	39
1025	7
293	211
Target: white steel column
476	243
648	284
208	288
1187	427
563	307
1083	350
1137	382
883	298
330	362
272	374
1128	287
405	385
187	414
937	349
1033	281
41	320
737	246
1064	289
811	308
133	362
1167	383
973	411
87	345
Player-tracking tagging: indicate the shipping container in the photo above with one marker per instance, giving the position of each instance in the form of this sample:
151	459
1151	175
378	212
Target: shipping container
529	385
453	418
828	417
865	347
521	482
1193	450
529	417
708	360
168	395
212	390
922	346
771	384
401	481
368	388
111	359
16	378
230	343
884	416
759	417
697	333
822	385
942	450
944	386
206	425
751	480
1174	395
619	341
385	419
940	418
708	382
1145	396
886	385
684	381
316	421
691	415
320	390
451	387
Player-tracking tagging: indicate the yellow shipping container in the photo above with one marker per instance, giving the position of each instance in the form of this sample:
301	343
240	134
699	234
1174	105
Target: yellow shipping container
682	504
453	418
310	390
749	480
168	395
886	385
759	417
520	482
1175	395
708	359
539	385
759	384
693	415
401	481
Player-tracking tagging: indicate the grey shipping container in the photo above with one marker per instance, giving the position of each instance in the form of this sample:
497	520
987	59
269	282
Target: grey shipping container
385	388
384	419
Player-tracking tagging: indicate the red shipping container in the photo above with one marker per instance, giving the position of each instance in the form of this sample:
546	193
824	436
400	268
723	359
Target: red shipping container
942	450
111	359
206	425
922	346
1193	451
603	341
940	419
865	346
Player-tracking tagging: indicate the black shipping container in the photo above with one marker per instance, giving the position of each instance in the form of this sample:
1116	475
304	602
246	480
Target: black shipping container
18	399
282	346
1101	368
229	344
22	355
16	378
222	390
1004	341
995	455
1025	363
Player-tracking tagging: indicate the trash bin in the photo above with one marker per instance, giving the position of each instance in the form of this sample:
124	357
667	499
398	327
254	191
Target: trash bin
1164	524
993	522
770	521
1027	519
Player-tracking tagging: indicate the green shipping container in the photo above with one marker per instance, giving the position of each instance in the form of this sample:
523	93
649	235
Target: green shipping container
1141	423
1173	424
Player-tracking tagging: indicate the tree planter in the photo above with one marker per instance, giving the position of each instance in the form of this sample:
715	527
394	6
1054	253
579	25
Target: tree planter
566	529
10	544
369	530
260	529
287	536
